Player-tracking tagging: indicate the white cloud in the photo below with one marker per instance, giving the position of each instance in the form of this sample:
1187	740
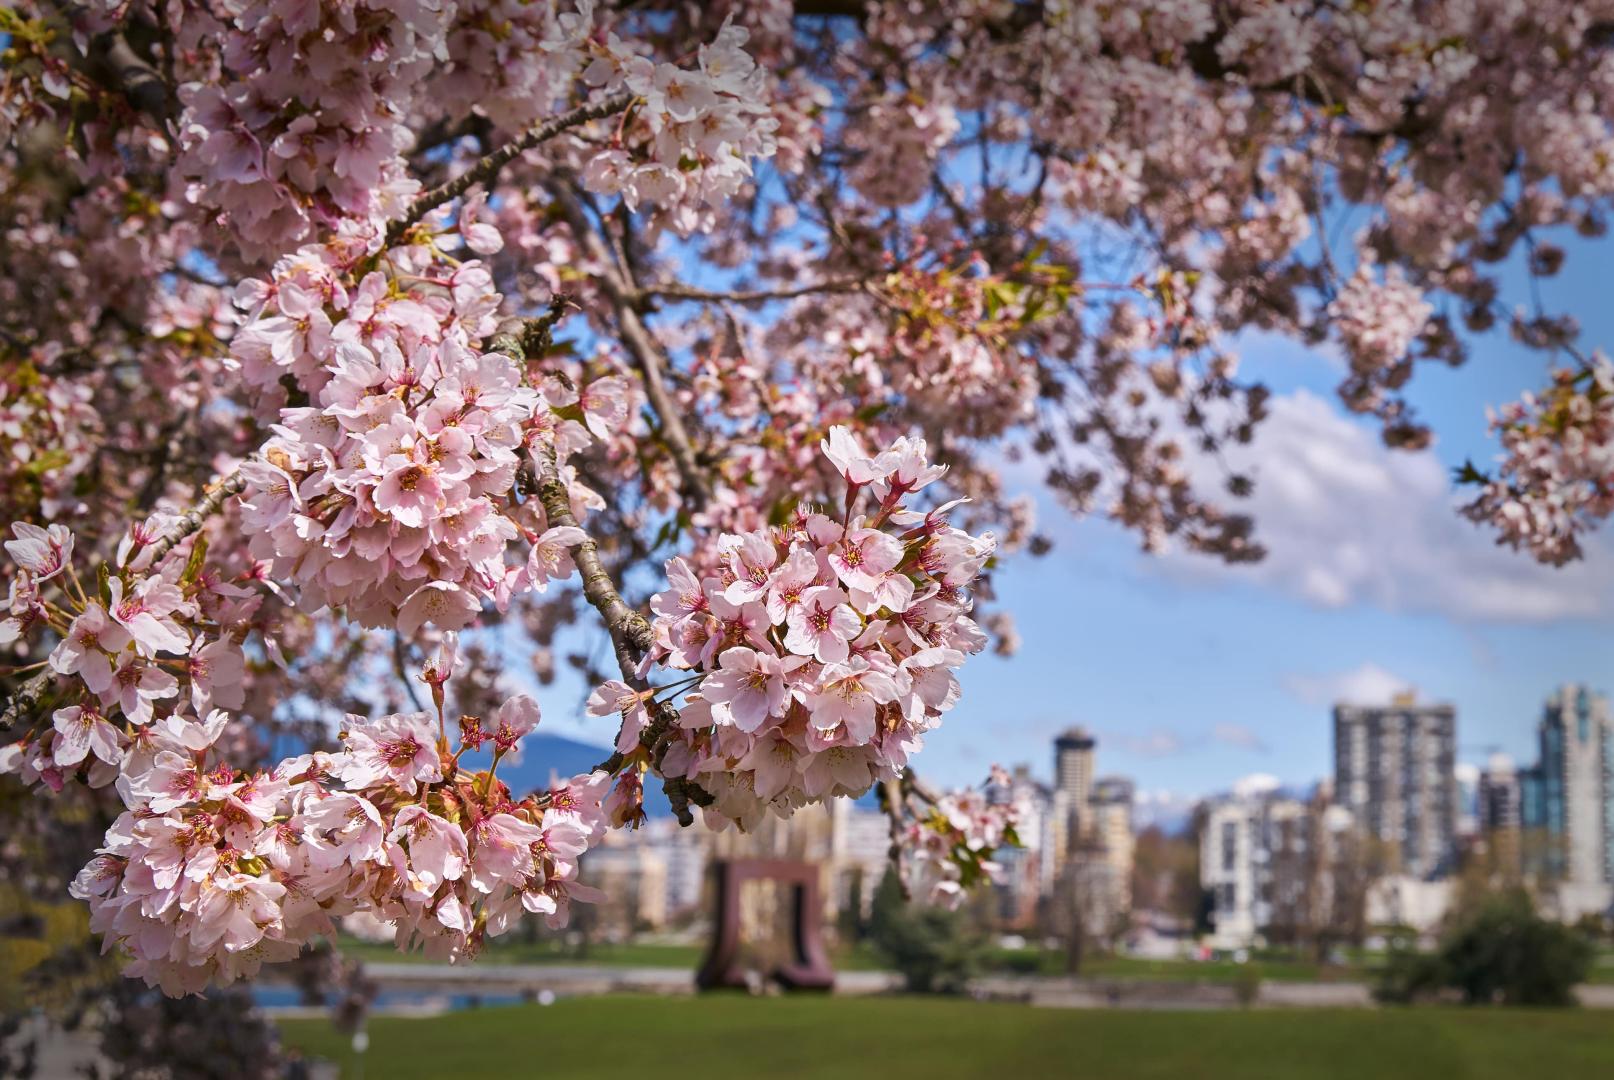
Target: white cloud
1158	743
1365	684
1347	521
1256	784
1238	735
1161	743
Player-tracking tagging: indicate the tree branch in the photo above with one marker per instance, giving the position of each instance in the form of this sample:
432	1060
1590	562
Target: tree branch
193	519
28	697
630	632
631	635
142	84
625	299
487	168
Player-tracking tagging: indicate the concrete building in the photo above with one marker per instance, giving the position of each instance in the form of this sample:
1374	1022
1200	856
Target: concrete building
1394	770
859	854
1568	798
1236	859
633	876
1400	900
1112	829
1500	813
1073	776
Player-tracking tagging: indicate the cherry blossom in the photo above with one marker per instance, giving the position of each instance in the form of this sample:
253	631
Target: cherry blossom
434	317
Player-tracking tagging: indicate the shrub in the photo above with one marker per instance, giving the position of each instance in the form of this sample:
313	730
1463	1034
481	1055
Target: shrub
934	949
1500	952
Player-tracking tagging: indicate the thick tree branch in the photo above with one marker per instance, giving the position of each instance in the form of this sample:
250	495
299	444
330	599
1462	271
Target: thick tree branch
630	632
193	519
487	168
647	355
142	84
631	636
29	696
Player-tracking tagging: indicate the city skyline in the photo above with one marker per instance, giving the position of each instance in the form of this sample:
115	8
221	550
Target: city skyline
1193	674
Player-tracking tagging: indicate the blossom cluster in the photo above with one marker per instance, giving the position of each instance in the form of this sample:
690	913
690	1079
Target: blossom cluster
213	871
825	647
951	846
1557	472
894	138
698	129
145	640
1378	322
388	493
48	429
308	125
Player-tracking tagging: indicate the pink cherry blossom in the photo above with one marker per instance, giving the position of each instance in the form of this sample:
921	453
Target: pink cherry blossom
85	647
81	731
400	749
44	553
821	625
747	688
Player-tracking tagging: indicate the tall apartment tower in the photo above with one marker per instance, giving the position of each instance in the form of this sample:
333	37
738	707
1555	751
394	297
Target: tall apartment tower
1111	805
1500	810
1568	797
1073	777
1393	769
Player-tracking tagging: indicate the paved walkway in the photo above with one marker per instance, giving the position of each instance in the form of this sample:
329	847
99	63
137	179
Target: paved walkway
437	984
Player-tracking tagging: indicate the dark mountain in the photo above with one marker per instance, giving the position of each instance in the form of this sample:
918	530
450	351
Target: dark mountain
543	754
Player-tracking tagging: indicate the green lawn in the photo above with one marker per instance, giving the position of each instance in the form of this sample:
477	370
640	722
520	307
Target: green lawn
896	1037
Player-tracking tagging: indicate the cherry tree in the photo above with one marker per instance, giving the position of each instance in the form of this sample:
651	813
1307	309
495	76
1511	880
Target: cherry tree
349	351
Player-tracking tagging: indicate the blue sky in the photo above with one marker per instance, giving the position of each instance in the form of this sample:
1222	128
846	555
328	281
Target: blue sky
1193	675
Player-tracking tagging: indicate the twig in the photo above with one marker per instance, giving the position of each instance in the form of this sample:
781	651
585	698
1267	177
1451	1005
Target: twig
484	171
912	783
675	291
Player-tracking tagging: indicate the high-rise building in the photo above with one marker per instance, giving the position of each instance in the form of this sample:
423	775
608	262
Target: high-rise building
1112	828
1500	813
1498	802
1567	799
1394	771
1073	777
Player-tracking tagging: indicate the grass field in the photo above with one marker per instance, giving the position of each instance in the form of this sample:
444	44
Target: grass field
897	1037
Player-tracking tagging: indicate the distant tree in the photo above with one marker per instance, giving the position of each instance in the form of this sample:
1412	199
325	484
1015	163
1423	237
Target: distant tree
851	924
933	948
1165	873
1498	951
